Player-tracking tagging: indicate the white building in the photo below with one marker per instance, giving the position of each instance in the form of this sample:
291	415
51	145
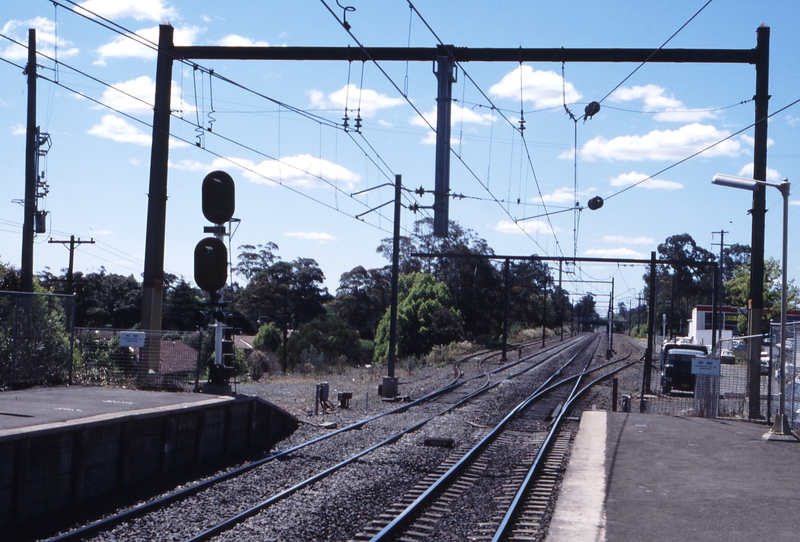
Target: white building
700	324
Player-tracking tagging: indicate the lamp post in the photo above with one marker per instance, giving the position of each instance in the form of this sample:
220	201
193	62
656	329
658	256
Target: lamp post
781	425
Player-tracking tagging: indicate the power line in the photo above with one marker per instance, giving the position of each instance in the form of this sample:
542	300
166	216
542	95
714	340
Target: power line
242	166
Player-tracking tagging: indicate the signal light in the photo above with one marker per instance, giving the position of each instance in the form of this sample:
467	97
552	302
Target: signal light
200	319
210	265
219	197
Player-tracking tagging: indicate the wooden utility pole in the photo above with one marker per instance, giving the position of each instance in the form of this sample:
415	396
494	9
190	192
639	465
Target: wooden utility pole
31	175
71	242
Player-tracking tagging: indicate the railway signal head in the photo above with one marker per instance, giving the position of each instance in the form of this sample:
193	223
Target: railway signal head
210	265
219	197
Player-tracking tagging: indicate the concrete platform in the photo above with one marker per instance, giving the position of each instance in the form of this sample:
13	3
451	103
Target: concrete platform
671	478
61	446
38	408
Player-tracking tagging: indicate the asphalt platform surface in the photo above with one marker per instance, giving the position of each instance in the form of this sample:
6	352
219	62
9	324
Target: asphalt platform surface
42	408
650	477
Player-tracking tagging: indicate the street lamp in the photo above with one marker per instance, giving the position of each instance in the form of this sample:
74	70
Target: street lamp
781	425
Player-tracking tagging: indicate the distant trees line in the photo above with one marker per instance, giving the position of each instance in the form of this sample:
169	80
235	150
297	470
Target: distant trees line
442	300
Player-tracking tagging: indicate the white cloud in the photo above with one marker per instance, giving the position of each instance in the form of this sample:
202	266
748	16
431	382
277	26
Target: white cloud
310	236
565	195
627	179
19	129
772	175
191	165
621	239
232	40
458	115
119	130
543	88
150	10
302	170
666	107
123	47
144	88
525	226
45	40
614	253
368	100
661	145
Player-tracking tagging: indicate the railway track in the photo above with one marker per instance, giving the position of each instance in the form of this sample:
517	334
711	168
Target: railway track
460	392
526	464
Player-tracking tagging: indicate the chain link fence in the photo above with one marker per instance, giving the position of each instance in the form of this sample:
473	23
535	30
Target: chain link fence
40	346
727	395
164	360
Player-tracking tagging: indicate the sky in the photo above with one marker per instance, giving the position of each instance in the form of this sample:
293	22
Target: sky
277	127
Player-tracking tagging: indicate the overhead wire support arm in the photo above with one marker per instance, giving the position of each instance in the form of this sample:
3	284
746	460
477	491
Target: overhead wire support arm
467	54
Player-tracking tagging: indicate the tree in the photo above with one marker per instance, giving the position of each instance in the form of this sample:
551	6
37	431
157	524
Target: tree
529	285
684	283
181	303
327	336
362	298
289	293
585	312
33	331
268	338
425	318
738	289
475	285
255	259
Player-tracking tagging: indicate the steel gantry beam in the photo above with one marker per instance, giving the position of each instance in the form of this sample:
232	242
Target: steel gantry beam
168	52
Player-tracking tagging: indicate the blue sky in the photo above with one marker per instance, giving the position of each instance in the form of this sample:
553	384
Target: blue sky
295	173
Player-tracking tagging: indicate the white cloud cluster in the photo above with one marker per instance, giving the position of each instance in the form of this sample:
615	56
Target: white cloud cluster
138	95
116	129
124	47
141	10
119	130
656	100
633	177
661	145
350	95
45	39
543	88
232	40
524	226
303	170
566	196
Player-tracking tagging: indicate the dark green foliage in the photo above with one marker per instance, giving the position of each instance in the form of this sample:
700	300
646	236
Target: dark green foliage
329	338
362	298
425	318
268	338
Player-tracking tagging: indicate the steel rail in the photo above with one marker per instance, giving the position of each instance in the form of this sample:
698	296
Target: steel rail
397	524
109	522
229	523
522	492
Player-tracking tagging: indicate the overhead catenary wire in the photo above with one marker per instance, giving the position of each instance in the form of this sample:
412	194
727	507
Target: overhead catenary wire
508	121
244	167
125	32
469	169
